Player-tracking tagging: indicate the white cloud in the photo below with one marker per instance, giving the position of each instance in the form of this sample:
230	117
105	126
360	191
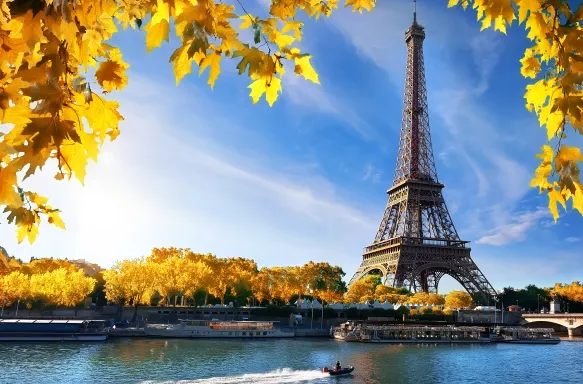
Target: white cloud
486	50
516	230
372	174
573	239
314	97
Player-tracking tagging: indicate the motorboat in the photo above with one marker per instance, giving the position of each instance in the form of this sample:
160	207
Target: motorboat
339	372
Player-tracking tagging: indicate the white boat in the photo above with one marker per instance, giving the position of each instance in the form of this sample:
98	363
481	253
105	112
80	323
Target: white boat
217	329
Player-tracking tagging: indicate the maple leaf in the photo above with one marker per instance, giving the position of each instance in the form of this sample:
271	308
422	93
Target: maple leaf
304	68
567	155
578	197
29	232
182	63
296	27
50	97
359	5
270	85
55	219
526	6
250	57
213	61
555	197
158	27
8	195
530	66
111	73
44	131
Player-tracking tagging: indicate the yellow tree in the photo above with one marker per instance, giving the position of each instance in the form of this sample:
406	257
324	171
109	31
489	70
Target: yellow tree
114	287
435	299
573	292
47	265
262	284
419	298
241	273
170	277
458	300
131	280
197	275
363	289
221	281
62	286
16	287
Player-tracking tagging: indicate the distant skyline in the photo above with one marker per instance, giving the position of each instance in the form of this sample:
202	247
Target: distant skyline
307	179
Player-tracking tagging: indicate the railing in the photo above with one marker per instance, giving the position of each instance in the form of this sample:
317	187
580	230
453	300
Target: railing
417	241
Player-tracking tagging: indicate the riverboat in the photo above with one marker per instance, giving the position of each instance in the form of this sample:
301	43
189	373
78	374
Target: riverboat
53	330
521	335
217	329
409	334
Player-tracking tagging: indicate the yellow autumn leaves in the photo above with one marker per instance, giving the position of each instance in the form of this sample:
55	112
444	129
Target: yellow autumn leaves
171	272
52	116
555	59
45	281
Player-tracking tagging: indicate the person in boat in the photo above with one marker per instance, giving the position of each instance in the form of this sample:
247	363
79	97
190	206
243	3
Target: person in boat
338	367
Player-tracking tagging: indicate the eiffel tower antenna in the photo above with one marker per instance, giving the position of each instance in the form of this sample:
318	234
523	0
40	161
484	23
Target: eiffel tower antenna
417	243
414	11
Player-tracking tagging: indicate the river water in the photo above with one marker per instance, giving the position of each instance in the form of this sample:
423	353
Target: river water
158	361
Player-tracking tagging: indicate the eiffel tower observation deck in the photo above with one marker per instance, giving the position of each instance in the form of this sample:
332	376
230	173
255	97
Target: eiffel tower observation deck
417	243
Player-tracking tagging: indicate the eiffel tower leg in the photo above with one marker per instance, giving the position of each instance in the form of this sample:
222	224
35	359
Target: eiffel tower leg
430	280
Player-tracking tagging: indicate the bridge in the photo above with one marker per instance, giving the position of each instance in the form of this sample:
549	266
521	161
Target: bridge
572	321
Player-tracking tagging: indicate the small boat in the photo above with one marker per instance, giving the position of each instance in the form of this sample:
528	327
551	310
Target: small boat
340	372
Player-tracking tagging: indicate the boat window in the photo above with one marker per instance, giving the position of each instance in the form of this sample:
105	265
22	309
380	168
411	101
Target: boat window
264	333
258	333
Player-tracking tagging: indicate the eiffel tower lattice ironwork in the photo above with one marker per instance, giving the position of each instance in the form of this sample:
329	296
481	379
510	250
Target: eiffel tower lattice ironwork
417	243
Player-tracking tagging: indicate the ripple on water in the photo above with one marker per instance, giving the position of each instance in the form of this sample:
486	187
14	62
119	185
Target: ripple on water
285	361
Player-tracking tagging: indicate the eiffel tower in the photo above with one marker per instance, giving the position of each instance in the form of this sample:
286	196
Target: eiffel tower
417	243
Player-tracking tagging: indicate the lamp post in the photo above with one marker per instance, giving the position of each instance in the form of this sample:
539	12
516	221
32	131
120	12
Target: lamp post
537	303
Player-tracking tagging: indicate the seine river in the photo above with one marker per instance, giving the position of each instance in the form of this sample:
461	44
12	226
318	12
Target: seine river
286	361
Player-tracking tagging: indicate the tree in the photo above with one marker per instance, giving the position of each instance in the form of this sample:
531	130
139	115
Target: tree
170	279
61	286
363	290
47	265
57	118
16	287
262	284
198	276
130	280
458	300
218	286
573	292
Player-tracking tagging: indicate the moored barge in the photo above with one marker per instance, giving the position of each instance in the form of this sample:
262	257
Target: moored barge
411	334
523	335
53	330
217	329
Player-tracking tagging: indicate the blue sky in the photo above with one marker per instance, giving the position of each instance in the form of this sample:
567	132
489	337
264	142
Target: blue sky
306	179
